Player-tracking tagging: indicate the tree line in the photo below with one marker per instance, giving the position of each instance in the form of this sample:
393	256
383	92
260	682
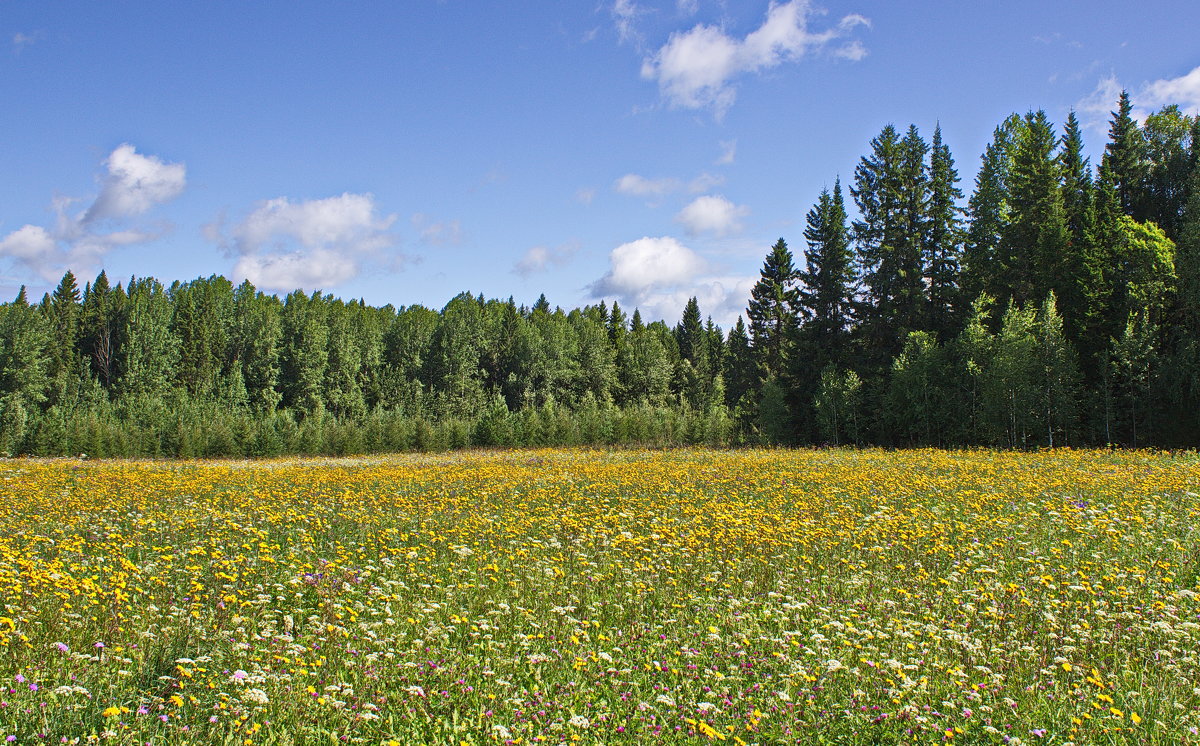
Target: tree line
1058	305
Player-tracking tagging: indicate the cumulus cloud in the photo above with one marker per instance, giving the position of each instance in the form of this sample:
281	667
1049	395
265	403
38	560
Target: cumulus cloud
1184	91
711	214
641	267
31	246
540	258
318	243
132	186
696	69
722	297
659	275
317	268
1096	108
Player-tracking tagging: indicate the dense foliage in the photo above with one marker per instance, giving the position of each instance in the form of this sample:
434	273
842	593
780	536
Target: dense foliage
1060	305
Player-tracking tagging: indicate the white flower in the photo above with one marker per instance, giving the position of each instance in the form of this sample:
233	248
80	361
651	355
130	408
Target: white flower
502	732
416	691
665	700
833	664
257	696
579	721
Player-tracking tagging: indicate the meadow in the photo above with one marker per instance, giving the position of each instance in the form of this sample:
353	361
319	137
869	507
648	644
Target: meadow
563	596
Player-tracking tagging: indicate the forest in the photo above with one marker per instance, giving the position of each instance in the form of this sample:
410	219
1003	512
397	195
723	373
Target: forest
1056	305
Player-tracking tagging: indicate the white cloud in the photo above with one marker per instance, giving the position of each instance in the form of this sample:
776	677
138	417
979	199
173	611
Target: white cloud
33	247
704	182
853	51
687	7
695	69
21	40
724	298
625	13
641	267
585	195
634	185
134	184
1184	91
434	233
1096	108
314	269
659	275
540	258
711	214
728	153
348	222
284	245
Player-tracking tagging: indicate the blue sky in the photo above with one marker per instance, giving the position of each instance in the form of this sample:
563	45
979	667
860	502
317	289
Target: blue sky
403	152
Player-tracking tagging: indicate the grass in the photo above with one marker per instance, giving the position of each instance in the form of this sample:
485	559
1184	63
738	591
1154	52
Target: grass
969	597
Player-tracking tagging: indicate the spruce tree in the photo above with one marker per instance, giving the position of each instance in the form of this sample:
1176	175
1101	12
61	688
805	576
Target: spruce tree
826	292
63	318
890	188
693	375
1125	157
772	312
943	240
740	379
1034	239
1078	196
987	212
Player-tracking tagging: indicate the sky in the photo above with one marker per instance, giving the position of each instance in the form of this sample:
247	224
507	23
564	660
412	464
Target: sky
643	151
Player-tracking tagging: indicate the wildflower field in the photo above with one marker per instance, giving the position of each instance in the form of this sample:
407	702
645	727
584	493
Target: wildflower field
604	597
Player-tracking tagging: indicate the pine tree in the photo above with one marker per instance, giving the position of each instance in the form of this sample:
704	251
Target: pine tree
772	312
